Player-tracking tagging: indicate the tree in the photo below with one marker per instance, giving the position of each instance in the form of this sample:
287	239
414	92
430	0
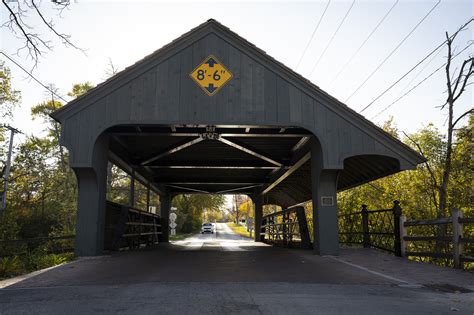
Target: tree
9	97
190	208
456	85
20	24
80	88
456	88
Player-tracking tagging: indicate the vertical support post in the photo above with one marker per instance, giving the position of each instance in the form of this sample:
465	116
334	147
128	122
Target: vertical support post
325	220
365	227
397	212
147	198
165	207
457	238
263	230
131	198
91	201
6	175
403	233
303	228
258	213
284	229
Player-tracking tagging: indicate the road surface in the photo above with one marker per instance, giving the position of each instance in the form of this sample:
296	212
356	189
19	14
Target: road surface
225	273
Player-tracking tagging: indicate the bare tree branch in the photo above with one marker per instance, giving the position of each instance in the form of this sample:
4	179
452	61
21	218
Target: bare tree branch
448	66
471	111
467	76
63	37
34	43
15	19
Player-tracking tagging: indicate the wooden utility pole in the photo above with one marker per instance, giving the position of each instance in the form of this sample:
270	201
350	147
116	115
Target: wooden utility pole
6	173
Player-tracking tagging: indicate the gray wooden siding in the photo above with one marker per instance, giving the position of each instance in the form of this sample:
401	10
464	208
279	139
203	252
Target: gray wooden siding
256	95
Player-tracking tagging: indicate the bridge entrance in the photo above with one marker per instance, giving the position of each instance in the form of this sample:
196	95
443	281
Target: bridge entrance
267	132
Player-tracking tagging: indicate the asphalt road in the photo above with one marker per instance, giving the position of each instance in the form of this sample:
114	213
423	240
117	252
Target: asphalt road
225	273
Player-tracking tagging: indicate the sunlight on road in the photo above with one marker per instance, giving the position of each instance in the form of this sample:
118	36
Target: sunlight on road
224	239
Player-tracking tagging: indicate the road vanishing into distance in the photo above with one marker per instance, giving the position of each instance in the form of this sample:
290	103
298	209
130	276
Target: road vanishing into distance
225	273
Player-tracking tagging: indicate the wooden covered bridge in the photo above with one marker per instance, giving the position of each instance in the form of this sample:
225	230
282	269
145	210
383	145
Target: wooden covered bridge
212	113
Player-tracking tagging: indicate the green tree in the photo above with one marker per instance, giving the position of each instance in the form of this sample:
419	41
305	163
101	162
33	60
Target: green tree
190	208
80	88
9	97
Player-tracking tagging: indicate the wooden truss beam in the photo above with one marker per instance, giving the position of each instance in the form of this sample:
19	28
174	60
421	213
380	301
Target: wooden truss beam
188	189
287	173
197	134
172	150
228	167
237	189
250	151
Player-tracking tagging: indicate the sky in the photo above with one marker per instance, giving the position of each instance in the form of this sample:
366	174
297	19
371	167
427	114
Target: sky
126	31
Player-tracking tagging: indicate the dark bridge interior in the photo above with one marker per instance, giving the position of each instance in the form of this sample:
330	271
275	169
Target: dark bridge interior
232	159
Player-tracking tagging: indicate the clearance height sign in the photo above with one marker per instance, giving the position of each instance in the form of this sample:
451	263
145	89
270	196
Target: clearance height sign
211	75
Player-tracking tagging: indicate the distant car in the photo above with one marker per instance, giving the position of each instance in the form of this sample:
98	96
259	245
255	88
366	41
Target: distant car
207	228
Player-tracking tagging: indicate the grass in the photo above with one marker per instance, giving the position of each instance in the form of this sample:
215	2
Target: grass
12	266
239	229
180	236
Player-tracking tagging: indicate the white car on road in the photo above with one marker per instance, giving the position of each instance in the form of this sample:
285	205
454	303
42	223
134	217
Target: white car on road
208	228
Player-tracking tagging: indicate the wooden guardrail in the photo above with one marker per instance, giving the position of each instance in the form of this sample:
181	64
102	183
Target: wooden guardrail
454	244
389	230
286	228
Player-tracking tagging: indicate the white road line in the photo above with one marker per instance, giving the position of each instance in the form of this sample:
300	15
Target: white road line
403	282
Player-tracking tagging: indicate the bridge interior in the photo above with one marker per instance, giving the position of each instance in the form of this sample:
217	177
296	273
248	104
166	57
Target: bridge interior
269	160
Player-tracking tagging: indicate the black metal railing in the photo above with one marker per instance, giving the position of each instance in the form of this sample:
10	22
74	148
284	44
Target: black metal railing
129	227
372	228
287	228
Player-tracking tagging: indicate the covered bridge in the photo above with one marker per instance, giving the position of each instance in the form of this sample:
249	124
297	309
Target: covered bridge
212	113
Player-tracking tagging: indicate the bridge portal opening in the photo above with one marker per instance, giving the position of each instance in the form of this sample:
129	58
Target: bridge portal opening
272	165
170	160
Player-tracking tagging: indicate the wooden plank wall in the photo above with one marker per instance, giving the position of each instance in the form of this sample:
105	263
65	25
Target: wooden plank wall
256	95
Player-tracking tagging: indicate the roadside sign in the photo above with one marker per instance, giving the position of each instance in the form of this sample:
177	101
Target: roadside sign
173	216
172	223
211	75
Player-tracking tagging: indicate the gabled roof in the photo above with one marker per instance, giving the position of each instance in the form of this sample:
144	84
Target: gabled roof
212	25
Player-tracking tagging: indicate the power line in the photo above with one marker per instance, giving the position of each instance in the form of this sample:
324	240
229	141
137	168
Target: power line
414	67
333	36
364	42
419	83
32	76
392	52
421	70
312	35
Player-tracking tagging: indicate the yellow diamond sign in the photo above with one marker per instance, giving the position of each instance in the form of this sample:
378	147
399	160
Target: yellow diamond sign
211	75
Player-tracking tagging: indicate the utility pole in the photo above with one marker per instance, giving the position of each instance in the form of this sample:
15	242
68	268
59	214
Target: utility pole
6	174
